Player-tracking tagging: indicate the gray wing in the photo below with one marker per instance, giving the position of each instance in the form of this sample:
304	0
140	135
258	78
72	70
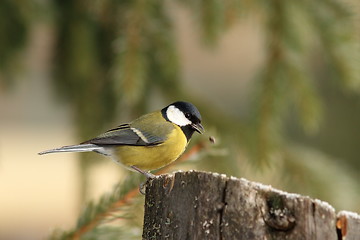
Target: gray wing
126	135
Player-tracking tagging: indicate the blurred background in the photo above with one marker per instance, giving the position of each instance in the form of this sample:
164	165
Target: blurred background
277	83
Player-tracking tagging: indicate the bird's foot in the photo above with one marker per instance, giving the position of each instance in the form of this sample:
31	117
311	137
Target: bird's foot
148	175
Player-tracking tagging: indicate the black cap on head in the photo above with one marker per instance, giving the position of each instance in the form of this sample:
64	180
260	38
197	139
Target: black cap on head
185	115
190	111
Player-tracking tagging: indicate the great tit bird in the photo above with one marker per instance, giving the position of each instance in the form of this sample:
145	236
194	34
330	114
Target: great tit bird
147	143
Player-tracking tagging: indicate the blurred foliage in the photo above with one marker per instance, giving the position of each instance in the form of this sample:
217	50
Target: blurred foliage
96	218
13	31
113	57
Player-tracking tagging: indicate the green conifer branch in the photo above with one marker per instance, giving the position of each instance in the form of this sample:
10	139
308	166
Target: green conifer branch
338	33
95	214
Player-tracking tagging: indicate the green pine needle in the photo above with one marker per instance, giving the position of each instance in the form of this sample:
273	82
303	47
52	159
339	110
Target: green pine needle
101	212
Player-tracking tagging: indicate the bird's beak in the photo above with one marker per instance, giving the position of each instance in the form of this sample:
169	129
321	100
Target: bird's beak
198	127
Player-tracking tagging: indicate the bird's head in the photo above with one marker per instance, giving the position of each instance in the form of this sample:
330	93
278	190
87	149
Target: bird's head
185	115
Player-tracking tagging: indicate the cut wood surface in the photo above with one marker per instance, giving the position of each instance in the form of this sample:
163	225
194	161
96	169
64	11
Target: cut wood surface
200	205
348	225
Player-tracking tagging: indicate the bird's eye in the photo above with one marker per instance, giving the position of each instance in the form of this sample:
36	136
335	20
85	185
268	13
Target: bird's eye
187	115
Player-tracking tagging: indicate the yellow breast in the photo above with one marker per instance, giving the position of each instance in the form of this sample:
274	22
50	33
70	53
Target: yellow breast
153	157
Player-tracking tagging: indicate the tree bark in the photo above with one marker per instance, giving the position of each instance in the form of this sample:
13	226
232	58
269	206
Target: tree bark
199	205
348	225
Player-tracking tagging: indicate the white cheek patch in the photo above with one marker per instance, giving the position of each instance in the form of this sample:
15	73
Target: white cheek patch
176	116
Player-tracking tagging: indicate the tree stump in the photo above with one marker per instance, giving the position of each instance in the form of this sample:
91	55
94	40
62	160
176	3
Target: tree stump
200	205
348	225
